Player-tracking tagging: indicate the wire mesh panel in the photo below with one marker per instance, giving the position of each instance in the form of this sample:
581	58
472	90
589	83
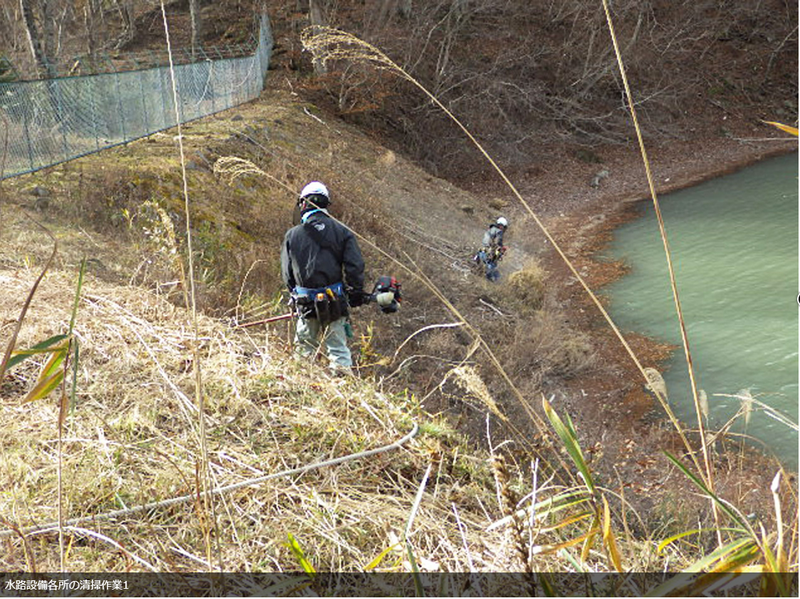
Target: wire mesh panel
155	98
79	123
46	122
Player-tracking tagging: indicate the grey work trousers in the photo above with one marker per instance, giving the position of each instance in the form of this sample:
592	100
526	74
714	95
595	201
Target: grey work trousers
334	336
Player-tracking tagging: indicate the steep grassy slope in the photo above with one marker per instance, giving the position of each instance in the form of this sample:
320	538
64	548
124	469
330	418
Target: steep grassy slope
133	434
131	438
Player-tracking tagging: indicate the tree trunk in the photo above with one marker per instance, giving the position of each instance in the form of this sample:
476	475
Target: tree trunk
49	25
129	18
385	12
125	8
315	13
7	23
197	26
39	59
91	21
315	16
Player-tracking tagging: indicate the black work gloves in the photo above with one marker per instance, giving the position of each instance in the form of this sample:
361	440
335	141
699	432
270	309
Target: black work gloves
357	297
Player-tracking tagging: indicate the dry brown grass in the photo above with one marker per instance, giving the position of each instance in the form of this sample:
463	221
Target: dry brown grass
131	436
544	345
130	439
528	285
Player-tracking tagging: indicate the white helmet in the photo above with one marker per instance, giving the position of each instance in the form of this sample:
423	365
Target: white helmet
502	222
315	188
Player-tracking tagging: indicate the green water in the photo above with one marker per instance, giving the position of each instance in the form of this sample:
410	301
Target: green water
734	242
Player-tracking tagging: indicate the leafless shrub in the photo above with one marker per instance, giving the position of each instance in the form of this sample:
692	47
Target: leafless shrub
528	285
547	71
544	345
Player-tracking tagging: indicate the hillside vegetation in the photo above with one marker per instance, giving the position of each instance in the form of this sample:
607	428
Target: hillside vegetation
132	436
508	388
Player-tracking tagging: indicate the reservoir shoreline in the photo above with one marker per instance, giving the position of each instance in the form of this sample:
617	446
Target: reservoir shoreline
611	405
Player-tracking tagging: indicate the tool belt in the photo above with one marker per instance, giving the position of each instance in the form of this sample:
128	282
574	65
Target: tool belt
326	304
494	254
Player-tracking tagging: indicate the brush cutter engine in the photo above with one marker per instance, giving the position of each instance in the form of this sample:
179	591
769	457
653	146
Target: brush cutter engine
387	294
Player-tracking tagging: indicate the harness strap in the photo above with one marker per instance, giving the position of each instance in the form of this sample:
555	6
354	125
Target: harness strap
337	289
305	216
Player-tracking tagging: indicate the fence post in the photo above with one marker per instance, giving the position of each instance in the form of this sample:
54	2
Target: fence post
141	73
60	116
257	58
210	86
119	102
156	67
224	68
185	99
93	80
164	106
27	134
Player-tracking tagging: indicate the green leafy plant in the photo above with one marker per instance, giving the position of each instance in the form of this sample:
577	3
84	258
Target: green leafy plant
593	502
300	556
745	551
58	347
378	560
52	373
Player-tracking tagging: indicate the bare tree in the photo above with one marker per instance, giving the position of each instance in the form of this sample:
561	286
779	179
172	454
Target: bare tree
196	24
34	38
9	19
390	8
125	9
92	16
315	16
48	26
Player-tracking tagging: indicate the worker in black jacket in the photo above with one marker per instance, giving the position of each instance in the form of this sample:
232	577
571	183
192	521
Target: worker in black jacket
314	255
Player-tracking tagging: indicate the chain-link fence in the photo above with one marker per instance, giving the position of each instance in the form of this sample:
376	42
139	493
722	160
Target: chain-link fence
49	121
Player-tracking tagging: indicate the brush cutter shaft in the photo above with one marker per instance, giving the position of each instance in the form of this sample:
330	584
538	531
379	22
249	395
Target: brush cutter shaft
266	320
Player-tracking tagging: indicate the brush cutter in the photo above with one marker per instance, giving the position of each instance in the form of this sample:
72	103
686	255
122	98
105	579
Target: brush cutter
386	293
